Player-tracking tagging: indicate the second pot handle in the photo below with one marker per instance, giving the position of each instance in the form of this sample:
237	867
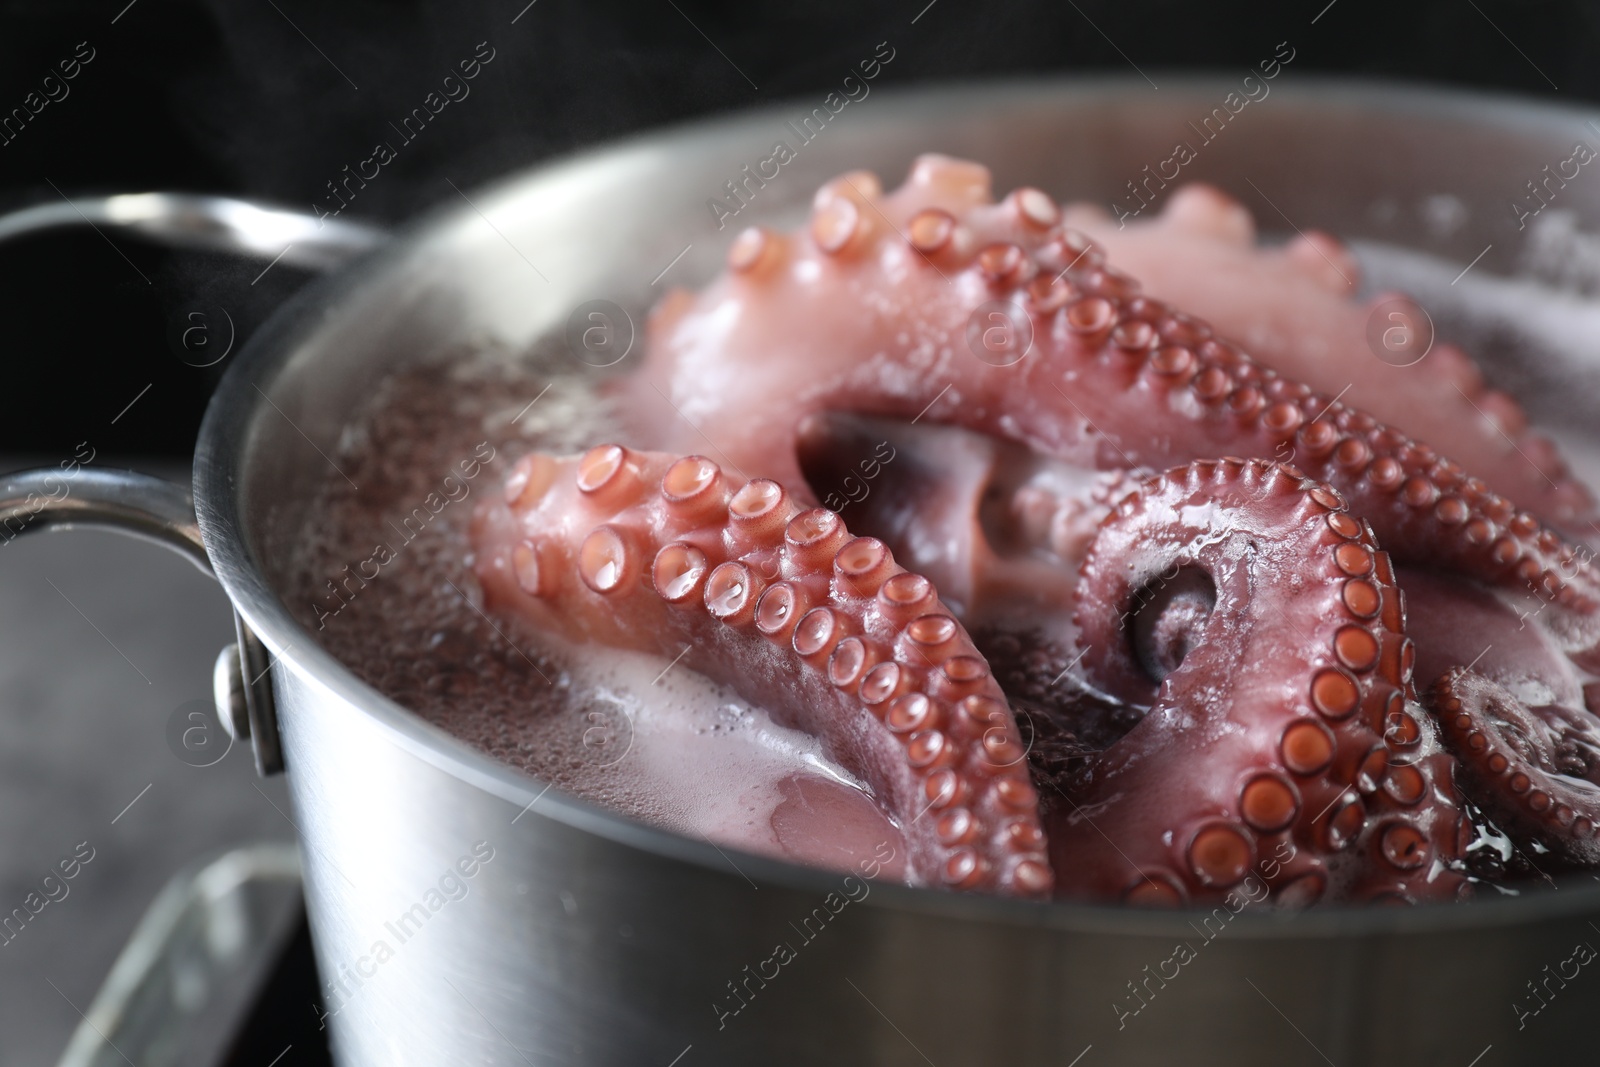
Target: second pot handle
161	511
209	223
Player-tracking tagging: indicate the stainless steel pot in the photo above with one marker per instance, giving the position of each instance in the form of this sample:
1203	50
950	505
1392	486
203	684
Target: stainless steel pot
590	939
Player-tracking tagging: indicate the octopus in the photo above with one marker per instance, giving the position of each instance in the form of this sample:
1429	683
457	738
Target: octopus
1108	589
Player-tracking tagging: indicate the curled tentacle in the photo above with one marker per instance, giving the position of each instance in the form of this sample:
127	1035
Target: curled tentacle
1538	769
1293	308
649	551
1282	738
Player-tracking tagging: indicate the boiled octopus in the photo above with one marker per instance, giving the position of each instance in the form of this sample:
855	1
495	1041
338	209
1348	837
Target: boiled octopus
1122	611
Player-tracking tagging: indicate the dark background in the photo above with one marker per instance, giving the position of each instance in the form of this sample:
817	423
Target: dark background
272	98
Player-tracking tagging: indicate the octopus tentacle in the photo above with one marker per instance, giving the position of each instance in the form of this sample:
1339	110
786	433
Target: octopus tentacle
1538	769
649	551
934	302
1282	736
1292	307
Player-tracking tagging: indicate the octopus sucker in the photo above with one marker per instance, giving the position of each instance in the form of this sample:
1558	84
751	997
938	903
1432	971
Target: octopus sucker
1290	763
1534	768
651	552
1072	543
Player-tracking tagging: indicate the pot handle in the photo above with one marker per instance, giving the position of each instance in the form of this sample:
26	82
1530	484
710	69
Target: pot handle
161	511
149	507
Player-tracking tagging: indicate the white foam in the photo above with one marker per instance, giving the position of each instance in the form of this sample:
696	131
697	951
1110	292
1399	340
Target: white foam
709	761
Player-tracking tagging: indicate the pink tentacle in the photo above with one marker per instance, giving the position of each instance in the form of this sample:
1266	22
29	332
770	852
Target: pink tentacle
649	551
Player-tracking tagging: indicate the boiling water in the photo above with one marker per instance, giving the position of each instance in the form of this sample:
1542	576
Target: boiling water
386	584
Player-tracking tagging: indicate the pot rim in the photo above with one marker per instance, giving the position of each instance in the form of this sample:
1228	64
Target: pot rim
223	444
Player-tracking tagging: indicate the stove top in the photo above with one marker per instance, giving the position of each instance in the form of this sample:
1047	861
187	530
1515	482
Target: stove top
218	973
